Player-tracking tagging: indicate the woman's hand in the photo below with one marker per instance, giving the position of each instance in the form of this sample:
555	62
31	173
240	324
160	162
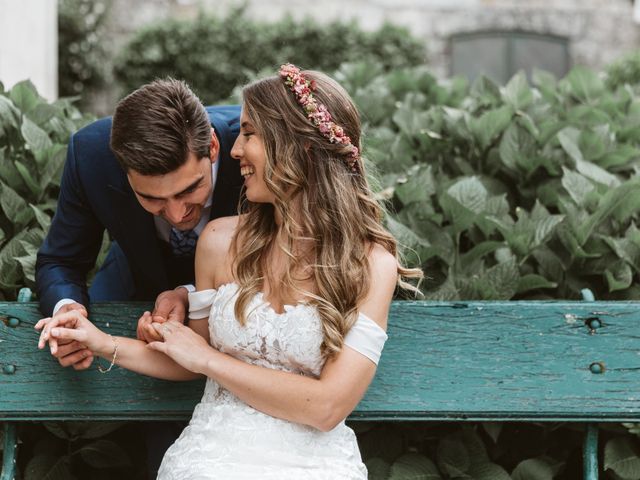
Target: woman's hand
71	326
183	345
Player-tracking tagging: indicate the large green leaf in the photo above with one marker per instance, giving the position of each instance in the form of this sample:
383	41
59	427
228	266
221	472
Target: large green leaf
488	471
51	170
622	457
409	119
532	469
596	173
612	200
485	90
416	250
418	185
104	454
24	96
42	218
470	193
568	138
517	92
48	467
453	457
9	267
479	251
9	114
28	179
14	206
36	138
585	84
414	466
518	149
500	281
619	276
490	124
532	281
377	468
577	186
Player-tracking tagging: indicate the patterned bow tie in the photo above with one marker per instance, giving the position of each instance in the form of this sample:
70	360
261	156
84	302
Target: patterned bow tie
183	242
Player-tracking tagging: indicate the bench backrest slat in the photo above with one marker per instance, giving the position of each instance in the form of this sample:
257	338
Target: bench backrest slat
443	361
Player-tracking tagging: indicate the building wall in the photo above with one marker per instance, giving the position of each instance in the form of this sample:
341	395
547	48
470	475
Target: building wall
29	44
598	31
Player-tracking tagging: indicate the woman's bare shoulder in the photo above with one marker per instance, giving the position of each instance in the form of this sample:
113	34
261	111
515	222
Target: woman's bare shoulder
217	234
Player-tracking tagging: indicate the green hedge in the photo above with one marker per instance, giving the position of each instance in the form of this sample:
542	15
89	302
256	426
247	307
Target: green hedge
216	54
624	71
81	46
521	191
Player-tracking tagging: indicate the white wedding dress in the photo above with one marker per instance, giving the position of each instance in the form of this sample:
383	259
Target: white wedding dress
228	439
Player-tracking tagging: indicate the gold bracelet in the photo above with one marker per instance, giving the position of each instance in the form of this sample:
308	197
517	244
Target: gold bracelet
113	360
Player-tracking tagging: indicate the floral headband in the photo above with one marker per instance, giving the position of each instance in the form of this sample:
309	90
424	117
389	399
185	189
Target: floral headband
317	112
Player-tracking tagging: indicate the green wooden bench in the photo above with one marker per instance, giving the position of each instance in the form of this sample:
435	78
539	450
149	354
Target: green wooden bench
462	361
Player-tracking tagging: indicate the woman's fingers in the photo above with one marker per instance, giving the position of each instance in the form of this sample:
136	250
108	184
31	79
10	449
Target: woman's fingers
68	334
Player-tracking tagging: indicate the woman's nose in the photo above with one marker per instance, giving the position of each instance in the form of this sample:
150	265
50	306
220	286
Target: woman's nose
236	151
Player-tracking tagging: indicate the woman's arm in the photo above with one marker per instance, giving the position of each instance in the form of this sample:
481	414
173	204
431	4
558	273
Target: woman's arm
132	354
321	403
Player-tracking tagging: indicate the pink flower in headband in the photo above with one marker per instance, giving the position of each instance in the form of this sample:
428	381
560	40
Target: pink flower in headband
317	112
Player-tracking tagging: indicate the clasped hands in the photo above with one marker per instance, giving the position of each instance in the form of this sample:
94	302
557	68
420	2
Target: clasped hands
178	341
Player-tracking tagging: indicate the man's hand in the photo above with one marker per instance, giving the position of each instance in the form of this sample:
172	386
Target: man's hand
69	352
171	306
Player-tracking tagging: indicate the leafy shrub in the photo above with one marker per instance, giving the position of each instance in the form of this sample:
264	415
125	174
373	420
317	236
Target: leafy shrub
73	450
509	192
624	71
33	143
490	451
81	50
216	54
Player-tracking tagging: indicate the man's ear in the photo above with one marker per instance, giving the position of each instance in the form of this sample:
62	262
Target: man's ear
214	147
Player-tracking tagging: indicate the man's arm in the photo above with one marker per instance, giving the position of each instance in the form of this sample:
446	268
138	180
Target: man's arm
70	249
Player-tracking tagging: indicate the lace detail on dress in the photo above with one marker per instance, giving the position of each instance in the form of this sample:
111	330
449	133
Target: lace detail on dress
228	439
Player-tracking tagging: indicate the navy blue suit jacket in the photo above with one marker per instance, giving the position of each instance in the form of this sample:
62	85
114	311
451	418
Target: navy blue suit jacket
95	195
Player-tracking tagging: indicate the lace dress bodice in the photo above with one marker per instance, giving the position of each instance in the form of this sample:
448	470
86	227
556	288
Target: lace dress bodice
228	439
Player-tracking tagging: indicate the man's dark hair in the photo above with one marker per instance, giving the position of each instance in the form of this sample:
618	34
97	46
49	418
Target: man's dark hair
155	127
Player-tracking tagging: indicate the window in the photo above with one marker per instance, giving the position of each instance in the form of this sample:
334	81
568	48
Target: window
499	55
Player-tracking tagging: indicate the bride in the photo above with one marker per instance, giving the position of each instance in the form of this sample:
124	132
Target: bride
289	317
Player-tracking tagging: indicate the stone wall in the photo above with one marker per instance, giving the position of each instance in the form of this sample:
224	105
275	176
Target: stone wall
598	31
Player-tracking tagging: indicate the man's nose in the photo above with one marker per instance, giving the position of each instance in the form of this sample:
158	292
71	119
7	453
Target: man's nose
175	210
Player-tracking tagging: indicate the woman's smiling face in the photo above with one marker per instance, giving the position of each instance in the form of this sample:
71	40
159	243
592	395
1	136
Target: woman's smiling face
249	150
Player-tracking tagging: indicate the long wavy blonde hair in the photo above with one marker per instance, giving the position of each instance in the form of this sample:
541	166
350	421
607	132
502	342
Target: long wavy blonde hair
330	218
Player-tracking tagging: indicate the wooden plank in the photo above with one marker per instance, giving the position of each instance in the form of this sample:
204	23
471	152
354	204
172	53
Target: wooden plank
508	361
443	361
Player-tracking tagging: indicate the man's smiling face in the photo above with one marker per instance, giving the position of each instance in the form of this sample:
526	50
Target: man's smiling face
179	196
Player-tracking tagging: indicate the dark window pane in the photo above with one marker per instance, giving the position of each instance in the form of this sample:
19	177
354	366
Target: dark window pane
543	53
499	55
475	56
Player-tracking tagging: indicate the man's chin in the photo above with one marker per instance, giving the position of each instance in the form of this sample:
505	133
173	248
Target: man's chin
186	225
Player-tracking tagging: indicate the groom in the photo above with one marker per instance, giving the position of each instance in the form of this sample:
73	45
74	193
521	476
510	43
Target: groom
152	178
